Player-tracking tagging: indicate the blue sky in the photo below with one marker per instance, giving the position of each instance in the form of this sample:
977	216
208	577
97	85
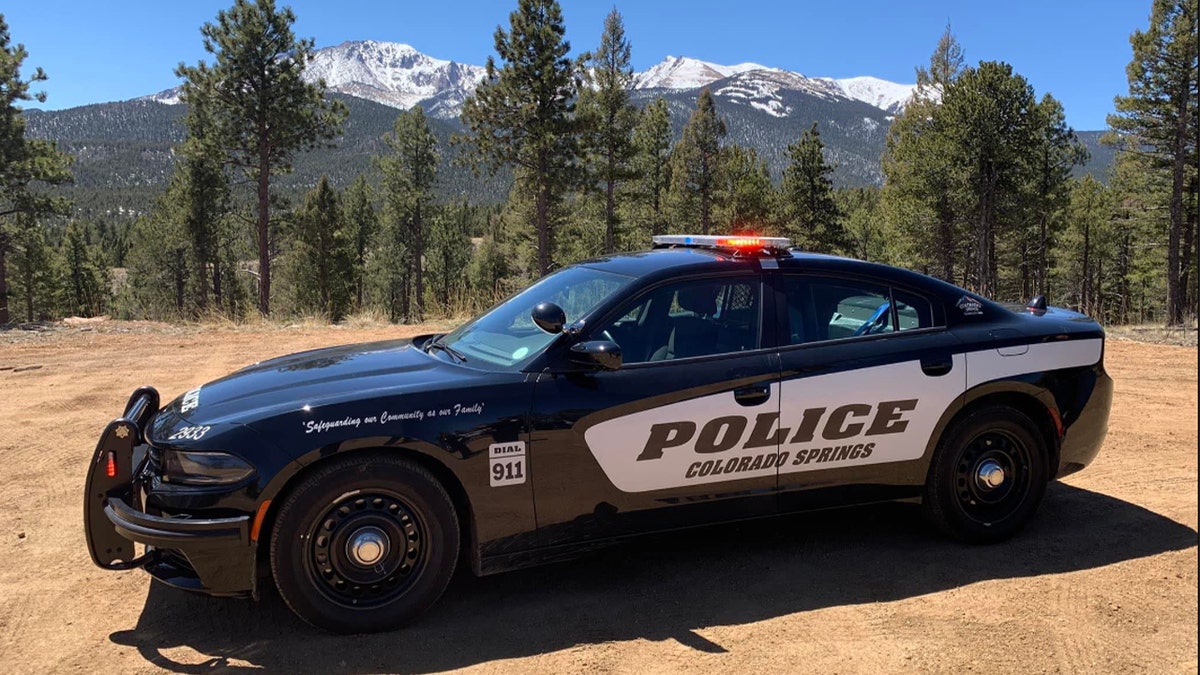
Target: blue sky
1076	50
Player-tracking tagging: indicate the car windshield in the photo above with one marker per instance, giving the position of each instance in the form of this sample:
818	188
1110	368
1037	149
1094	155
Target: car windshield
506	336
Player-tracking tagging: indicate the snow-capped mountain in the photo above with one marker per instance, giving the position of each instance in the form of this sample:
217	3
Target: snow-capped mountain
681	72
764	89
399	76
396	75
883	94
687	73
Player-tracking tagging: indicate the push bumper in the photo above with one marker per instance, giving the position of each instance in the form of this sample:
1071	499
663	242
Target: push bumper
214	555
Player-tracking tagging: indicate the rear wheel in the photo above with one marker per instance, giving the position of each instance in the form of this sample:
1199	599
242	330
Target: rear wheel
988	475
364	544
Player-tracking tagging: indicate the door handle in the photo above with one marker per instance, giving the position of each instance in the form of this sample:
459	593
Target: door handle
750	396
937	367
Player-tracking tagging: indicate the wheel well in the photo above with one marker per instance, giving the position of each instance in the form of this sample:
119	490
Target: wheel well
458	495
1033	409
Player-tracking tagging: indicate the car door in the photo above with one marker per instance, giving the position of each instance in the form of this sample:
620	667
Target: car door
868	370
672	438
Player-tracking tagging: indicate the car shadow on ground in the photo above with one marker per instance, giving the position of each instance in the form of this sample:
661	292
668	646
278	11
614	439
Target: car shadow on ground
659	588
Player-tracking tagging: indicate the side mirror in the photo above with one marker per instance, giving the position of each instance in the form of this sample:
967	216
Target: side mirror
549	317
597	354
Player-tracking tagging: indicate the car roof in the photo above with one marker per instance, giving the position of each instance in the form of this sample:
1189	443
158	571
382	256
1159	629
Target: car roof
664	263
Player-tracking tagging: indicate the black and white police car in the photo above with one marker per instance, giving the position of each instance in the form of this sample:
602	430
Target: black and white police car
709	379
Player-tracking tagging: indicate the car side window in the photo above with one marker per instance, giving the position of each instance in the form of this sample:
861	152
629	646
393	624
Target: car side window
700	317
912	311
834	309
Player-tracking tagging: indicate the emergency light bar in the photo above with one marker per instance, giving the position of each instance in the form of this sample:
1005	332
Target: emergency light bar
722	241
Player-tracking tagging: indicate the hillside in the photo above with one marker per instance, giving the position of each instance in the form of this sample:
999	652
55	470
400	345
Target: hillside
124	153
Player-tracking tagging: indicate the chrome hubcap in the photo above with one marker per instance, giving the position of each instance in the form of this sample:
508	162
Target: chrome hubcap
367	546
989	475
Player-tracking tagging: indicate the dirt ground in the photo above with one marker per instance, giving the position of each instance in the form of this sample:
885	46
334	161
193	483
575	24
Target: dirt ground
1104	580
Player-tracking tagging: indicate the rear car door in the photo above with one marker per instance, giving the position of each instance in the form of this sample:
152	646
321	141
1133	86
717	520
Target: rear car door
672	437
868	371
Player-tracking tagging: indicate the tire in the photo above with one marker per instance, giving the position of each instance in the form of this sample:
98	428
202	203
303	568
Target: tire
364	544
964	497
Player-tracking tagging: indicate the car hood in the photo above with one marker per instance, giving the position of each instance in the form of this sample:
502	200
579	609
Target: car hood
313	379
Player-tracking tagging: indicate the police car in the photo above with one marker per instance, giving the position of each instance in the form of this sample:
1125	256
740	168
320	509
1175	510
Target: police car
709	379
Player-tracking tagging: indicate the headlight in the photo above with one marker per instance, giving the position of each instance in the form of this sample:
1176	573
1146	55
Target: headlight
203	468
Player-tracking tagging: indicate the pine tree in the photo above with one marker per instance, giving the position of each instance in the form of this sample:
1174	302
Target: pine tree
1084	245
388	266
85	286
409	175
919	180
867	236
158	264
449	254
747	196
25	164
521	115
1160	119
990	121
813	219
1137	195
322	255
695	164
945	65
607	118
361	223
1057	151
652	141
34	279
264	112
204	194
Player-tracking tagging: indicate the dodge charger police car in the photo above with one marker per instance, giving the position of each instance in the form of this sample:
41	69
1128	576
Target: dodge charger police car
709	379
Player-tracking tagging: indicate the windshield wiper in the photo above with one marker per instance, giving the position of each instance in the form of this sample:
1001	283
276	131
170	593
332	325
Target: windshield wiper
458	356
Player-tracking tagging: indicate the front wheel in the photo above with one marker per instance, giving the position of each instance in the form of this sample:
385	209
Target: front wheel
364	544
988	475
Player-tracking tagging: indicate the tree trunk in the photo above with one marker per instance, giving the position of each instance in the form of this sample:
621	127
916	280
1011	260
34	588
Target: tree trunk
1124	260
29	290
656	227
1175	287
358	277
1026	273
180	282
405	300
419	260
610	216
264	220
4	316
981	262
543	219
1086	292
202	258
1043	263
1185	261
217	285
946	247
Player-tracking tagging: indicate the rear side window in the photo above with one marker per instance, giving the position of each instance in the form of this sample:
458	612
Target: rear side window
836	309
700	317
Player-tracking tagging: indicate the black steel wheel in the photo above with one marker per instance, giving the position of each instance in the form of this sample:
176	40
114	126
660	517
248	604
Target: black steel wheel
988	475
364	544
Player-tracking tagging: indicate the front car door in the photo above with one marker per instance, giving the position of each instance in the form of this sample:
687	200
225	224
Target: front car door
679	435
868	370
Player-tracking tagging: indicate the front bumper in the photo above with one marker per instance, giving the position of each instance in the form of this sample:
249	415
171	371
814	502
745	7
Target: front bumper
211	555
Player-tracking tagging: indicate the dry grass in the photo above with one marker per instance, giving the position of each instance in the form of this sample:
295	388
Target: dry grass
1154	334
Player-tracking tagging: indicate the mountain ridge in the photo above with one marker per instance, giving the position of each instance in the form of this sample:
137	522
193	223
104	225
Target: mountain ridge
400	76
